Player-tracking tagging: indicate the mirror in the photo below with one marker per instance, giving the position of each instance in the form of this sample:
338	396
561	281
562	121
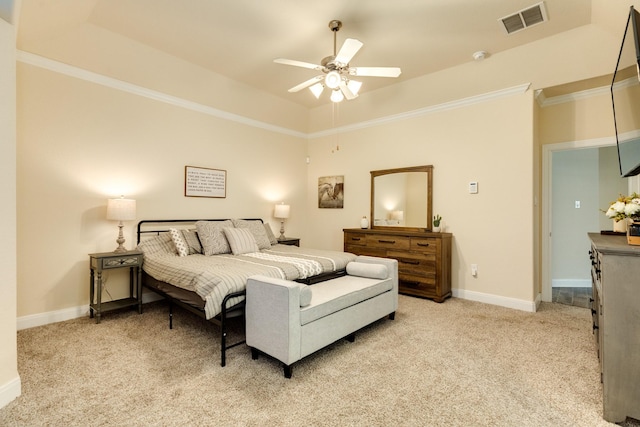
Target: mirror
401	198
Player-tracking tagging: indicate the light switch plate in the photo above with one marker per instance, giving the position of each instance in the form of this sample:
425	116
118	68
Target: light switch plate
473	187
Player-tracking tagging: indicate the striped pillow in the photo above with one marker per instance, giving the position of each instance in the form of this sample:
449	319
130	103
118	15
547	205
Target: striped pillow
241	240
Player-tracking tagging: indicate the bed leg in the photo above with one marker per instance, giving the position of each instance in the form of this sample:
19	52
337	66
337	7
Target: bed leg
287	371
223	337
170	315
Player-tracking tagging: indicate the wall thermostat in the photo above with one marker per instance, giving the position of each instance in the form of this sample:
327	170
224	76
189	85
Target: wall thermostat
473	187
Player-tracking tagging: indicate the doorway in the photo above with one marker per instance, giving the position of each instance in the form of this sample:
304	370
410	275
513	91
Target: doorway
579	180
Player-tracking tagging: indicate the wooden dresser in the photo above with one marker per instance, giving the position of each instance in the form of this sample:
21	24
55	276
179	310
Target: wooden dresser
424	258
615	277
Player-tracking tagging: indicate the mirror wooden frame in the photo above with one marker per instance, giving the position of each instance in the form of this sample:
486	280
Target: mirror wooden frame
428	170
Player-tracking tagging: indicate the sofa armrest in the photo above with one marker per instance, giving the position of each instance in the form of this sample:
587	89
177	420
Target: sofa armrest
273	317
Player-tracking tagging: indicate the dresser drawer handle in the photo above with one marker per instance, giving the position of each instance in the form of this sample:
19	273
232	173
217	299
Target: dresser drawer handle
423	244
412	262
387	241
357	239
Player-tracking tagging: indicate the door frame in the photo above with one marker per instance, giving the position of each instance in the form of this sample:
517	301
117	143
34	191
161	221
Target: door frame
547	192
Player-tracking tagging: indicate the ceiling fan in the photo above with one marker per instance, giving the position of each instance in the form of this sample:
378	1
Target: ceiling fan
337	72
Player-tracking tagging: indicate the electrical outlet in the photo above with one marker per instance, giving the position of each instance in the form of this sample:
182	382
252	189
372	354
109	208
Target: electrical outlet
577	204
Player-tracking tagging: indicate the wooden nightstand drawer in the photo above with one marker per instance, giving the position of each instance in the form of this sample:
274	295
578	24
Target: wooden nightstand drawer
388	242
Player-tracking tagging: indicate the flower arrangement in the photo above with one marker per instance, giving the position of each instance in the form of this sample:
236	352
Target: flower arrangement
625	207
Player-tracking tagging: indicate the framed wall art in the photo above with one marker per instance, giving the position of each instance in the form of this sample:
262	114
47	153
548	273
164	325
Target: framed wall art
205	182
331	192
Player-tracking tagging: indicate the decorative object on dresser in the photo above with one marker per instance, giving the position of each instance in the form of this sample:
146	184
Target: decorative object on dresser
633	233
615	268
424	258
436	223
281	212
121	210
364	222
624	211
100	262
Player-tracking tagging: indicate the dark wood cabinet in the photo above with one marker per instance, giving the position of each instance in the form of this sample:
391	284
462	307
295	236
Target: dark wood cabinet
424	258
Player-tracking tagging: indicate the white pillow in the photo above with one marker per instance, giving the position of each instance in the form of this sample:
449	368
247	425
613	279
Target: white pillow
241	240
270	235
365	269
178	240
256	227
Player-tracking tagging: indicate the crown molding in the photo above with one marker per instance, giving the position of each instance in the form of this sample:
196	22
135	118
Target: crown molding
82	74
79	73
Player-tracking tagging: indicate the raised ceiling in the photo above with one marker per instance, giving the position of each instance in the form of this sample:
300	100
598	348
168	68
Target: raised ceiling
240	38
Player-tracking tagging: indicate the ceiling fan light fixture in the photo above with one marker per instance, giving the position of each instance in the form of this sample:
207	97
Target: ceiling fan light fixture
332	80
354	86
336	95
317	89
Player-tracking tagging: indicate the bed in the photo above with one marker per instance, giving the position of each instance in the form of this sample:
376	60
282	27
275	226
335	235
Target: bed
203	265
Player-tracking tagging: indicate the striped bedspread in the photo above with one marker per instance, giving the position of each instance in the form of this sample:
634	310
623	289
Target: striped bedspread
214	277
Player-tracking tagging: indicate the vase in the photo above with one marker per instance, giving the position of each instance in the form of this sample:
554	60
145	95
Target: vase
620	226
436	229
364	222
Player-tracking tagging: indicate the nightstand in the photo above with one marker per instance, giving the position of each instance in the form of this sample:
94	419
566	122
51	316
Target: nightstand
291	241
104	261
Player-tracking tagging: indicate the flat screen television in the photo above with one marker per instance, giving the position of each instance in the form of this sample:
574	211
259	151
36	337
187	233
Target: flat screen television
625	97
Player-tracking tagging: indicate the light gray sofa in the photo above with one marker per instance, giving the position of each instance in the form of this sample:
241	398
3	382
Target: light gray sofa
289	320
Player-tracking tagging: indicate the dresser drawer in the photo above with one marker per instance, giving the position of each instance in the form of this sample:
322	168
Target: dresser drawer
388	242
363	250
355	239
421	286
429	245
416	263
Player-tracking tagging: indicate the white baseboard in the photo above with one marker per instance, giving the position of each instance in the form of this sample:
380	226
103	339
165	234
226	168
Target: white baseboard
514	303
10	391
41	319
571	283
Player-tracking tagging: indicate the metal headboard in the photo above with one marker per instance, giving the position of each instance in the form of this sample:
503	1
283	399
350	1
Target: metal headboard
157	226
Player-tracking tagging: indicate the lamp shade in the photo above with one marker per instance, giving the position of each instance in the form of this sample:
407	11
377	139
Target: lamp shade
121	209
281	211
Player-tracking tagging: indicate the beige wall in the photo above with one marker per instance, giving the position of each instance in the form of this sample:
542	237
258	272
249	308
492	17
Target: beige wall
81	143
9	379
471	143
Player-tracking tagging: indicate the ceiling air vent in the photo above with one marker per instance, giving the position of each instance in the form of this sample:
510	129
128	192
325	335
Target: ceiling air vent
525	18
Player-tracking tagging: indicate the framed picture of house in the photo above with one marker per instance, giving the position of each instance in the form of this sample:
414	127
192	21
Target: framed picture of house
205	182
331	192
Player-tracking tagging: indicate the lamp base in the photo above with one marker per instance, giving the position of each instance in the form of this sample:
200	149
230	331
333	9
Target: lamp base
282	237
120	240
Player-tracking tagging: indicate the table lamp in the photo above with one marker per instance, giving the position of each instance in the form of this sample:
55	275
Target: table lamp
121	210
281	212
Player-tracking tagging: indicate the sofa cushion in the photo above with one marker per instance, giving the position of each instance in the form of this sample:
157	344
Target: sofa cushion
340	293
365	269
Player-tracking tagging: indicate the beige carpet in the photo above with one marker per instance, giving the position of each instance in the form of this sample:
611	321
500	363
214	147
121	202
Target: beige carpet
459	363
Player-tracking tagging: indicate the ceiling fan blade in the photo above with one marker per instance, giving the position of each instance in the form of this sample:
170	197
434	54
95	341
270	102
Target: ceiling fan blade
375	71
348	50
298	64
346	91
306	84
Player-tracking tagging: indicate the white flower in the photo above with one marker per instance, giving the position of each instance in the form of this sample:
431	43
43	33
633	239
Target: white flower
618	207
631	209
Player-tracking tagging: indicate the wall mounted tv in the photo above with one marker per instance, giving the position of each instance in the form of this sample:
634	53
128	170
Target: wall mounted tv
625	97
